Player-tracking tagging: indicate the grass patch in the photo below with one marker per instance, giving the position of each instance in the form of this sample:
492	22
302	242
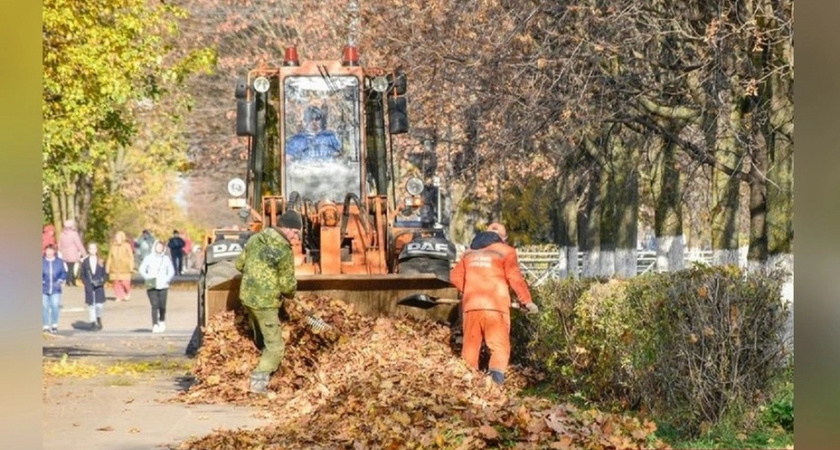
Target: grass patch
725	437
121	381
144	367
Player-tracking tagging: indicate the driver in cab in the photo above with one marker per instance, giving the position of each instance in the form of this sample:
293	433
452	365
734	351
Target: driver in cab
313	142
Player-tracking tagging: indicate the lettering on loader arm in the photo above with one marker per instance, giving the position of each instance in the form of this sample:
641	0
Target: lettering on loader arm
223	250
428	247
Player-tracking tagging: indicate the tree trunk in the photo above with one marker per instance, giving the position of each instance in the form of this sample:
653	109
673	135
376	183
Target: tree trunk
566	230
589	225
610	199
668	217
725	189
780	189
624	182
84	198
780	207
55	210
118	169
757	252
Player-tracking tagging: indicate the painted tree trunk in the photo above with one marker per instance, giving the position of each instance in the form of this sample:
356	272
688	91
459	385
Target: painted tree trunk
726	187
589	225
780	188
608	217
668	216
566	230
624	183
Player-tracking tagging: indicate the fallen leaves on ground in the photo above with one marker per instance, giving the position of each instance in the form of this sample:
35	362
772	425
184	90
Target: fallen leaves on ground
385	383
66	368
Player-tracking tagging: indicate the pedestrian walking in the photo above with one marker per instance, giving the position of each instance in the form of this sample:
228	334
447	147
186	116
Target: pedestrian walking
484	276
268	276
48	237
53	277
187	264
71	250
93	277
120	265
176	246
157	271
144	244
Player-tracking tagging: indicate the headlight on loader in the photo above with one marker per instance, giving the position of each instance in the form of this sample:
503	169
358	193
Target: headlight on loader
414	186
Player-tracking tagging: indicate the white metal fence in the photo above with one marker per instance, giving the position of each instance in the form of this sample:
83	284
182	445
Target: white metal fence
539	267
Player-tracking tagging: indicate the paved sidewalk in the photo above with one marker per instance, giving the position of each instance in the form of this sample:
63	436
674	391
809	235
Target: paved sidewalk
129	319
128	413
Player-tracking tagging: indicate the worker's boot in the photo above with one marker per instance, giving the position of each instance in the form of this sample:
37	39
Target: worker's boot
498	377
259	382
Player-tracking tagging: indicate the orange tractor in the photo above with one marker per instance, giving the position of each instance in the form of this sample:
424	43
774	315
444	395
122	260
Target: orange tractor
319	141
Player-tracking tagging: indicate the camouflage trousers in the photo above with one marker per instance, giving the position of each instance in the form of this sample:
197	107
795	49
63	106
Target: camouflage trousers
268	336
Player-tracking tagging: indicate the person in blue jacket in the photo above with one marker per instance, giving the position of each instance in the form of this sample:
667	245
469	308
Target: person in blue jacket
314	142
93	276
53	278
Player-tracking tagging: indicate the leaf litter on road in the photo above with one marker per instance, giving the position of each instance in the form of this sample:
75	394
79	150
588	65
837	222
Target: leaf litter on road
384	383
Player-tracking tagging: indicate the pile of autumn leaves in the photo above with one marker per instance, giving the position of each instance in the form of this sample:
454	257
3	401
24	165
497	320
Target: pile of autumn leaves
384	383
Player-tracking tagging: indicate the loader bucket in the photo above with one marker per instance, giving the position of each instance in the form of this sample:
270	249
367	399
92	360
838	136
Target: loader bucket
426	301
378	295
370	295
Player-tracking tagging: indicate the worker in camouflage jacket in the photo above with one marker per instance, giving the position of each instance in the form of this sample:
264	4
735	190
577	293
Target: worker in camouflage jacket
268	276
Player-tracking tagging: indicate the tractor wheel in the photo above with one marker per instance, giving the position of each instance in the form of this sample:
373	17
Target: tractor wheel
211	275
220	272
197	337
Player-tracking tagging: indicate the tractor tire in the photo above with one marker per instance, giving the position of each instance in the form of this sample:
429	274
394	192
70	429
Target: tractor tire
211	275
220	272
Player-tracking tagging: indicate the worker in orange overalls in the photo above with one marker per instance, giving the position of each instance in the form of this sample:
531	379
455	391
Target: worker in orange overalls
484	275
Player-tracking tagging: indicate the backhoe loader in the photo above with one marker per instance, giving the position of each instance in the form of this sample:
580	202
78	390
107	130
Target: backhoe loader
319	136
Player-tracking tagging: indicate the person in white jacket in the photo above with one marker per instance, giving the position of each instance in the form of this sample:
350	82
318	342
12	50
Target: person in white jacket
157	270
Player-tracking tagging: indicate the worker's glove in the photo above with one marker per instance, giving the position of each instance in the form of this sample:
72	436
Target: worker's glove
532	308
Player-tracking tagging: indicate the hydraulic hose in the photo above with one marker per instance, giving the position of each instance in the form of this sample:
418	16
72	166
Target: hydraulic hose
294	202
345	215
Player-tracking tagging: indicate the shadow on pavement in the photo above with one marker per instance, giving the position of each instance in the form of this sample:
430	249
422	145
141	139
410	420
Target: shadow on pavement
81	325
129	356
184	382
58	351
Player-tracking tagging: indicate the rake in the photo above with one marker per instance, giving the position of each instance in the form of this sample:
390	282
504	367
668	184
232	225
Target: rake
315	323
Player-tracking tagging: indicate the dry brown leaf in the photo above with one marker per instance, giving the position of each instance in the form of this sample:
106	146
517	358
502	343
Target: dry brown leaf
565	443
489	433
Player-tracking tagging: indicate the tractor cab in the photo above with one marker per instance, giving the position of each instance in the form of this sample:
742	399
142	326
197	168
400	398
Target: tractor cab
322	136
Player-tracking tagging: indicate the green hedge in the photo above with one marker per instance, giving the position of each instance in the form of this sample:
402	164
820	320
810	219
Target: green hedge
685	346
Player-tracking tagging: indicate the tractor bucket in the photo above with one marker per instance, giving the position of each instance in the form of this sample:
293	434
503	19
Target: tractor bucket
379	295
424	301
370	295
